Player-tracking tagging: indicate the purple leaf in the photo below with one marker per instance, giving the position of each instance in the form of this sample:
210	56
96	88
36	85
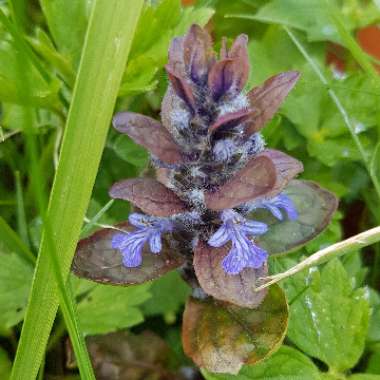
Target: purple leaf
230	75
257	178
149	195
267	98
96	260
230	120
198	53
181	88
221	77
266	174
237	289
150	134
176	62
286	166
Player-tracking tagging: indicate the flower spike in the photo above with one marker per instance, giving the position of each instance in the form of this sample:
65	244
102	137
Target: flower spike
211	170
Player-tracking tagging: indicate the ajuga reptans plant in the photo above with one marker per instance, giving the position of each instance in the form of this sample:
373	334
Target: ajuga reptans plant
218	202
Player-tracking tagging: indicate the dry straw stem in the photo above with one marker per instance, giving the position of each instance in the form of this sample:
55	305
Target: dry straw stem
353	243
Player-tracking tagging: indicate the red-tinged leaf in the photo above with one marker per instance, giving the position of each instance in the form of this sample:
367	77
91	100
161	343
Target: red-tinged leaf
222	337
176	62
181	88
237	289
315	207
151	196
96	260
150	134
230	120
198	54
267	98
239	53
221	78
230	74
256	179
163	176
266	174
286	166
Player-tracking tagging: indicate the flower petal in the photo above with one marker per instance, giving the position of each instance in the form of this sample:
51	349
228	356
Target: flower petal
234	262
149	195
150	134
155	242
132	258
257	257
252	227
220	237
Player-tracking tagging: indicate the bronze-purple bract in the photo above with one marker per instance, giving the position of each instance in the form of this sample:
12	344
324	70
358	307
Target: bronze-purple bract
149	195
96	260
238	289
265	175
150	134
267	98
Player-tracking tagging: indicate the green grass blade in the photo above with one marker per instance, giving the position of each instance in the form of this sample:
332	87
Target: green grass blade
104	57
13	243
22	224
94	221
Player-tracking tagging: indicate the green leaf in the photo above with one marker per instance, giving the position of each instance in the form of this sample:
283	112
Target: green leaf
43	45
15	282
364	376
12	88
139	76
329	319
310	17
374	326
373	365
315	207
5	365
107	308
286	364
129	151
283	56
375	162
222	337
67	22
169	294
10	242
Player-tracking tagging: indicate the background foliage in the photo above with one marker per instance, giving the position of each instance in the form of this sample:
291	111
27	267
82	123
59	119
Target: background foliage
334	329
